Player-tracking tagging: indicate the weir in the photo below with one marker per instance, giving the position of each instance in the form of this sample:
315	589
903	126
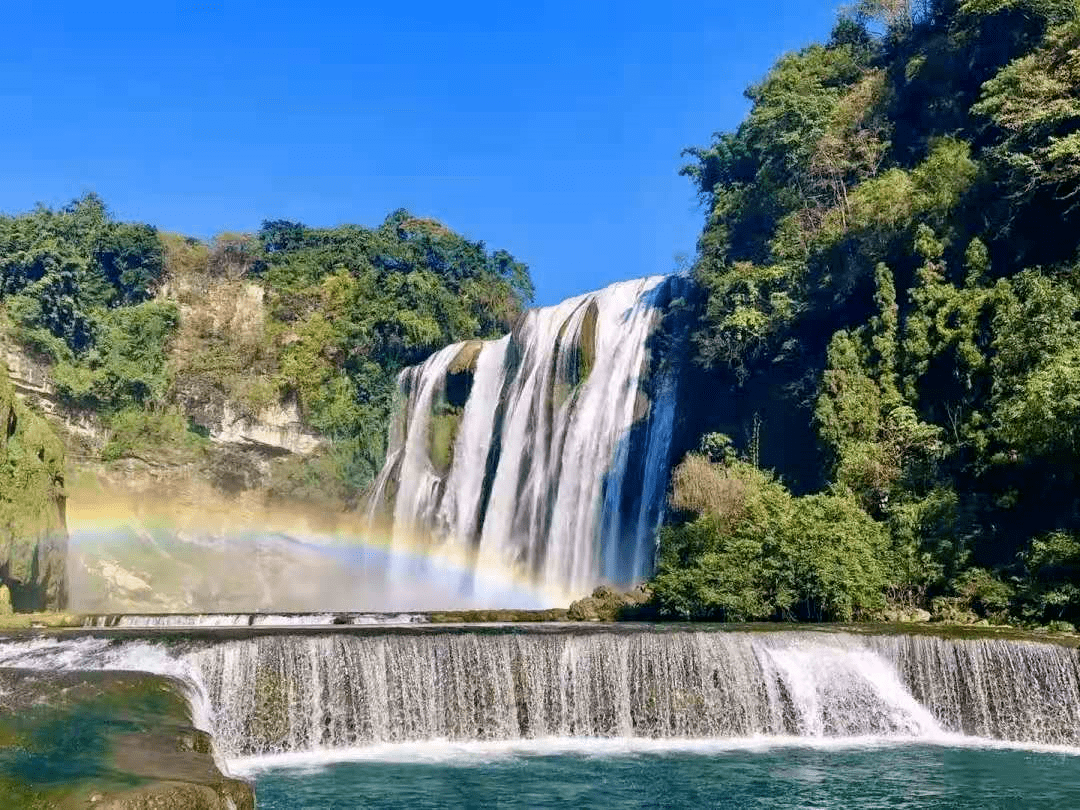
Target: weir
545	453
335	689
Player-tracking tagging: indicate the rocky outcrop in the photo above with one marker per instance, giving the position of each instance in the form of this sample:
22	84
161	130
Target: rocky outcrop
136	746
276	429
578	358
33	533
82	432
608	605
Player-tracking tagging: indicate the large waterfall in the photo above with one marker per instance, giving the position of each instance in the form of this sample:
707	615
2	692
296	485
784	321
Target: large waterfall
335	690
545	453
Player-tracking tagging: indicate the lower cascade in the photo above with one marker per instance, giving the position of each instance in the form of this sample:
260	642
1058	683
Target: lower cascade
545	453
294	693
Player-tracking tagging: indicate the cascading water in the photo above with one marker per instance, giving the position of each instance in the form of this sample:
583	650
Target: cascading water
162	620
547	452
293	693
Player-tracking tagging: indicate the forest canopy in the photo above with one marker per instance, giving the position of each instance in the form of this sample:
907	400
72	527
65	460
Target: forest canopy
124	315
891	250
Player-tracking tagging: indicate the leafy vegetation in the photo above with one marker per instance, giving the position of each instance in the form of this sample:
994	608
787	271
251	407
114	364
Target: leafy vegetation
33	538
142	327
891	248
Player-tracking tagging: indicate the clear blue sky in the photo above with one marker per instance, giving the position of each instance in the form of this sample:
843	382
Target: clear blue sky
552	129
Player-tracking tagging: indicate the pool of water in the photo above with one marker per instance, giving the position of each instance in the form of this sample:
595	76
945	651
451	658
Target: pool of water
851	776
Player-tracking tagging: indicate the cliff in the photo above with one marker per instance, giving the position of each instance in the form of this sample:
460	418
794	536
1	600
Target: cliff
33	532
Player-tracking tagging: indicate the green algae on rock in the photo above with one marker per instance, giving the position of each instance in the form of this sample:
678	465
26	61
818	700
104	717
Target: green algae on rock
33	532
117	740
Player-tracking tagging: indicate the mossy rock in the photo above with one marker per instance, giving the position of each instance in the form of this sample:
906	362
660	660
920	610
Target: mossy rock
442	435
606	604
582	358
466	358
586	343
33	534
120	740
460	374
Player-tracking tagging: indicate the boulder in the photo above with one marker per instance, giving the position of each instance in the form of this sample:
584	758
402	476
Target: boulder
606	604
906	615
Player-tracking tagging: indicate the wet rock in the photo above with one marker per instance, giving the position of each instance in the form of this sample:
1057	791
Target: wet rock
586	344
465	360
33	542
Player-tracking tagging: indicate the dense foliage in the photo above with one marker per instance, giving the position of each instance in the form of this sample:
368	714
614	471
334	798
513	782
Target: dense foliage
143	328
892	244
356	305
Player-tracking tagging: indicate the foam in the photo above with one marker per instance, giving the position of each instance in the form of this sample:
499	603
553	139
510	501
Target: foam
478	754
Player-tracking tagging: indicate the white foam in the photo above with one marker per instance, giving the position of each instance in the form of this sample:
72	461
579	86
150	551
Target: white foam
211	620
472	754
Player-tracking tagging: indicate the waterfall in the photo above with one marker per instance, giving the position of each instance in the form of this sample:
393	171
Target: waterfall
333	690
546	453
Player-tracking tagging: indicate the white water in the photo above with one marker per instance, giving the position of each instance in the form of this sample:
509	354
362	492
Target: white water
480	753
543	480
337	692
151	620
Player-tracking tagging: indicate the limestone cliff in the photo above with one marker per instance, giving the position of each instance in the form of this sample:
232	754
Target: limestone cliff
33	534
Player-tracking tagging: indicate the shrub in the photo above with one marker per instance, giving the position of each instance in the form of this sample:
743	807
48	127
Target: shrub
751	550
138	433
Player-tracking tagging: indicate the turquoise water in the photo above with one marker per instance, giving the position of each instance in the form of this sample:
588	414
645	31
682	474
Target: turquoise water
899	777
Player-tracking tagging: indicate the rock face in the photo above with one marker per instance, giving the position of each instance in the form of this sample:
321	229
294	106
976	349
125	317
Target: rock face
33	533
82	431
276	429
129	744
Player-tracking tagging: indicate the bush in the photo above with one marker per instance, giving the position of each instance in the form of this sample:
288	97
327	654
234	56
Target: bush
138	433
130	366
753	551
1048	589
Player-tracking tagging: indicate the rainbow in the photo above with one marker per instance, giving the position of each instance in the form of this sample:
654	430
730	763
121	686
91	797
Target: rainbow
136	550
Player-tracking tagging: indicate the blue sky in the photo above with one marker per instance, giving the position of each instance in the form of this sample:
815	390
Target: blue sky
551	129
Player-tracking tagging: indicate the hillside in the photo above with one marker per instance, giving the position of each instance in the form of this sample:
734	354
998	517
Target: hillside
245	380
890	310
264	360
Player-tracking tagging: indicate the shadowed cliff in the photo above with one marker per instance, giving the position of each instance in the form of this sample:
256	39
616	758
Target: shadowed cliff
33	534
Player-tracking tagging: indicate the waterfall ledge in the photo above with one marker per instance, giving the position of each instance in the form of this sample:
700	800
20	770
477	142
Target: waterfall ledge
267	691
